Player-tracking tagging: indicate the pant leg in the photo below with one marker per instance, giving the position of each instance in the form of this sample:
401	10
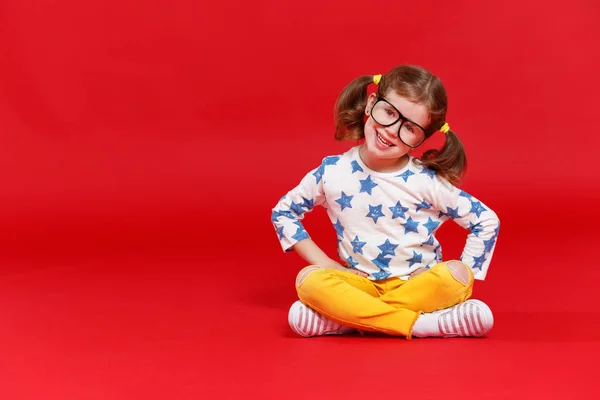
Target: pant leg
353	301
433	290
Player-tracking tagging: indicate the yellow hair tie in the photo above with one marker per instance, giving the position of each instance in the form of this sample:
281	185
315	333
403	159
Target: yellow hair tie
445	128
376	79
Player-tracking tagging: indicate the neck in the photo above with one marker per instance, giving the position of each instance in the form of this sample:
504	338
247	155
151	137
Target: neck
382	165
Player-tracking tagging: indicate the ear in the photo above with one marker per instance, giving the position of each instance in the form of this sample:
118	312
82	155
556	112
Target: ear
370	102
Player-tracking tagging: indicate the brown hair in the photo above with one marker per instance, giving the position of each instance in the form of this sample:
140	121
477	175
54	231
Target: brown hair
417	85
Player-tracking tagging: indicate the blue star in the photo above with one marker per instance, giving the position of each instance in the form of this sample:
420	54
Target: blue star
380	275
479	261
405	175
410	226
319	173
423	204
366	185
429	241
280	232
452	213
300	234
276	214
331	160
438	252
308	203
297	208
375	212
415	259
465	194
299	224
429	172
388	248
357	245
497	230
477	208
489	244
475	228
431	225
381	261
356	167
398	210
352	262
339	228
344	201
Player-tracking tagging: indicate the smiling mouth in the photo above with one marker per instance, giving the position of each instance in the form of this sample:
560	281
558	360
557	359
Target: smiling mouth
382	140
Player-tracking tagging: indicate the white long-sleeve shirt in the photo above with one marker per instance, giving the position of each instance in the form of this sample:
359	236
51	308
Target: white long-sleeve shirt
386	222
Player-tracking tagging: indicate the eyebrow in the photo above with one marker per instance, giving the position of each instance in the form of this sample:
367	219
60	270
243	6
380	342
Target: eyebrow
403	116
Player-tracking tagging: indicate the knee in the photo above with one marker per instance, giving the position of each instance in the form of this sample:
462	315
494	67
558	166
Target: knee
305	272
460	272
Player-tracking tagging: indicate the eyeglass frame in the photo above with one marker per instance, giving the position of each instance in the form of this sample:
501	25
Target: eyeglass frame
400	118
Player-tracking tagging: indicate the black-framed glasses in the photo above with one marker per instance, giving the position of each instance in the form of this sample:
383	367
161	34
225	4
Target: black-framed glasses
409	132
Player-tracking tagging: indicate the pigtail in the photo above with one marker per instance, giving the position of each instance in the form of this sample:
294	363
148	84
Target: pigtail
350	109
450	162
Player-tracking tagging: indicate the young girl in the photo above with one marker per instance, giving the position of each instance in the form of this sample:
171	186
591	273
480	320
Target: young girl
386	207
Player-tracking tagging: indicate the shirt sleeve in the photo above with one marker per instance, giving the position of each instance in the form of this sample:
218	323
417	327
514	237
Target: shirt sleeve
480	220
287	214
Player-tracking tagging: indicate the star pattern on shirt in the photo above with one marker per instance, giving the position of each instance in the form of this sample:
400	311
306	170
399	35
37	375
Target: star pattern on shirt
339	228
351	262
428	171
465	194
452	213
405	175
477	208
308	203
475	228
318	174
428	242
300	233
410	225
297	208
423	204
276	214
375	212
355	166
388	248
478	262
417	258
280	232
381	261
431	225
367	185
357	245
489	244
381	274
331	160
344	201
398	211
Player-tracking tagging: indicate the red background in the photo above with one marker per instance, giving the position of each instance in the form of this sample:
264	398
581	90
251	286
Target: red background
143	145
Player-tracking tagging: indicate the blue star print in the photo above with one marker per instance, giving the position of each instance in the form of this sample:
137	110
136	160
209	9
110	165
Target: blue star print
465	194
381	261
475	228
428	242
431	225
410	226
381	274
388	248
415	259
452	213
477	208
331	160
352	262
297	208
357	245
308	203
375	212
405	175
429	172
398	210
423	204
366	185
276	214
300	234
344	201
280	232
489	244
319	173
339	228
356	167
479	261
497	229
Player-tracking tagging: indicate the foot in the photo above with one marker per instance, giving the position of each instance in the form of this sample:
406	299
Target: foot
472	318
306	322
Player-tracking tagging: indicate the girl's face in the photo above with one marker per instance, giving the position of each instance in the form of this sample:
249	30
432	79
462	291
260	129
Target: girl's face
383	142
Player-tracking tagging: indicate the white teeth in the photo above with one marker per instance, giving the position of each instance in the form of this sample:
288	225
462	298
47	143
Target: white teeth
383	140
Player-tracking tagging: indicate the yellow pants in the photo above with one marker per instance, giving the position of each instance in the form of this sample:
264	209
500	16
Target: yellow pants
389	306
